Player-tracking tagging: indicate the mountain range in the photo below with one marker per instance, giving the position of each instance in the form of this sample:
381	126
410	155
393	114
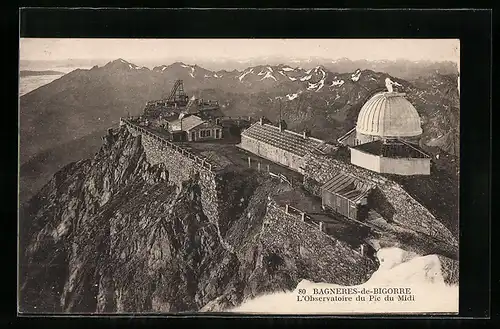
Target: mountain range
104	230
78	107
400	68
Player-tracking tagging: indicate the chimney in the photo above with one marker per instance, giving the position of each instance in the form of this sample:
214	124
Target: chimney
306	133
282	125
261	120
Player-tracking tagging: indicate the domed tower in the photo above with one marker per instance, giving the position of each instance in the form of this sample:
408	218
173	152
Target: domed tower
388	115
386	136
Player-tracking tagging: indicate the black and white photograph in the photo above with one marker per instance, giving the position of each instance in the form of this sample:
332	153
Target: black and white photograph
239	176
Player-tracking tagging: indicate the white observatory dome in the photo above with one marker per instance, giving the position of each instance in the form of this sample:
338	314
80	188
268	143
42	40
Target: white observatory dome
389	114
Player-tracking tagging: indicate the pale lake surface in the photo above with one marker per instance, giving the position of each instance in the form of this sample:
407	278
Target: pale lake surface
27	84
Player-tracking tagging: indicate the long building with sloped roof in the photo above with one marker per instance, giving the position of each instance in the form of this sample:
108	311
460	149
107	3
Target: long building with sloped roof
280	145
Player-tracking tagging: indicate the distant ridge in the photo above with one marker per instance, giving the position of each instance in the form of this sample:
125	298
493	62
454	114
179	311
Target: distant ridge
26	73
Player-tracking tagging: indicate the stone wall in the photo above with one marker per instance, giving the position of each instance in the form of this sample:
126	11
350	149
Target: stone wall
326	257
406	211
182	167
272	153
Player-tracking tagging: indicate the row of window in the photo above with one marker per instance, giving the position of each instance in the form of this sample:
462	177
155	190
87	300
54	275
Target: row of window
205	133
208	133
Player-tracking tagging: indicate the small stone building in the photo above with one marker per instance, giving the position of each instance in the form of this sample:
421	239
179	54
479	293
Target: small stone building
346	195
192	128
280	145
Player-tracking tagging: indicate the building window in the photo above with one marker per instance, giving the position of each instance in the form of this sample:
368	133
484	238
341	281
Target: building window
205	133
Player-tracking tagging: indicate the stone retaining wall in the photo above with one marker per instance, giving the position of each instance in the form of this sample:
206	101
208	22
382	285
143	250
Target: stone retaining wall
405	210
327	258
181	167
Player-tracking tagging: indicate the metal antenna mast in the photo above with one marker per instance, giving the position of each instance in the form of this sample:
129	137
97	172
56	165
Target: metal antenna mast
280	109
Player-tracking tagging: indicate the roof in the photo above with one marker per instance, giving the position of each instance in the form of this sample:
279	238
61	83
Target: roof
389	114
286	140
347	186
392	149
186	123
346	135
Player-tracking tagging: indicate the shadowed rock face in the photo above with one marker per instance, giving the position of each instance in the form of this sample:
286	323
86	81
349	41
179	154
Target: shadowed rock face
112	234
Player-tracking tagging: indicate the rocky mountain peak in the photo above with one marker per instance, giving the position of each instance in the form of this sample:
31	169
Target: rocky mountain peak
122	65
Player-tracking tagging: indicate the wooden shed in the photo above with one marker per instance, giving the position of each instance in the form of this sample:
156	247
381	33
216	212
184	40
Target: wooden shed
346	195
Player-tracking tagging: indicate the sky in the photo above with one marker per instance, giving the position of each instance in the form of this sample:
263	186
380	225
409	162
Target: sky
240	49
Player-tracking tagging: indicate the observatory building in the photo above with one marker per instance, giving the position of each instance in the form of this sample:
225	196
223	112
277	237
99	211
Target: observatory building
386	136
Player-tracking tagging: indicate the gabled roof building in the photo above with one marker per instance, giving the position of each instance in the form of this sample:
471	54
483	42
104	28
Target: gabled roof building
280	145
193	128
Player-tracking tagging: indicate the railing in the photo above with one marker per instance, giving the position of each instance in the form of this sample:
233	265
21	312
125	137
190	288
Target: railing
201	161
315	223
245	118
278	175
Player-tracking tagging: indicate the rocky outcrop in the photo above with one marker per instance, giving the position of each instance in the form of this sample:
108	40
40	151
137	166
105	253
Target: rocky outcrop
117	233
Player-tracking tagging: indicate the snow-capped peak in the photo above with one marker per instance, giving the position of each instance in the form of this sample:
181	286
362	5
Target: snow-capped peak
355	76
288	69
307	77
268	75
244	74
337	82
291	97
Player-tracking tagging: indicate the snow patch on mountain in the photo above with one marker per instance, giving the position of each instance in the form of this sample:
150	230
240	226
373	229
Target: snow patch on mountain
398	268
307	77
281	72
318	85
312	86
291	97
270	69
321	83
244	74
288	69
355	76
163	68
337	83
292	78
260	73
308	71
323	73
269	75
